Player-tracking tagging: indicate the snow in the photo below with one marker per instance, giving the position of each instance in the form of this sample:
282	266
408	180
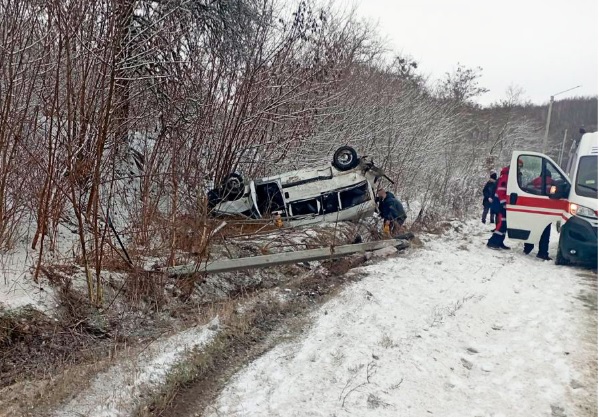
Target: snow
453	329
17	287
17	267
113	393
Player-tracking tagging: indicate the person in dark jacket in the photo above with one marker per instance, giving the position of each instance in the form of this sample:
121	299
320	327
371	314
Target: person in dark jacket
391	211
499	202
488	194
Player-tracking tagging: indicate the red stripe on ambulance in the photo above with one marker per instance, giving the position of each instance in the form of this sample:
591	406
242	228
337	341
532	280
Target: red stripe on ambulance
546	213
542	202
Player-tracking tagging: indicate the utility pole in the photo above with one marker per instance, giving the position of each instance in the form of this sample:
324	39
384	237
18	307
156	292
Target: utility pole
547	125
549	116
561	153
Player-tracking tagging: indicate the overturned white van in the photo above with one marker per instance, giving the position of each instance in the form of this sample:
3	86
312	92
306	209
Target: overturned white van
343	190
541	194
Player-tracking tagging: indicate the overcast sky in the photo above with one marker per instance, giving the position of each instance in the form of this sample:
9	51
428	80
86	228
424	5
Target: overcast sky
543	46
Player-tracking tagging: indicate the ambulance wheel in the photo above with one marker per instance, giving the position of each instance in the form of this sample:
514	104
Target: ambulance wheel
345	158
559	258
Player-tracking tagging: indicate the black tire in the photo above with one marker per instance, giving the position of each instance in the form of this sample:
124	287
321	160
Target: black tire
345	158
233	187
559	258
214	198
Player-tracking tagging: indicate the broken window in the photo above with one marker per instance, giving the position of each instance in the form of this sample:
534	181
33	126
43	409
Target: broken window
302	208
330	203
354	196
269	198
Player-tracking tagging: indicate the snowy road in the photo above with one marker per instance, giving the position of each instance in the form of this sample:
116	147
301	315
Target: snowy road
453	329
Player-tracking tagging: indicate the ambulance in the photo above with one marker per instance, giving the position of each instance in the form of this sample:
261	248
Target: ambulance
541	194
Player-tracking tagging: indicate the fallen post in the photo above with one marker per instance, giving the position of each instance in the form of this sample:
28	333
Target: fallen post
265	261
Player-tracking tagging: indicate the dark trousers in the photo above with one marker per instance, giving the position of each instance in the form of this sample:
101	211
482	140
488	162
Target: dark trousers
498	236
486	210
395	227
543	243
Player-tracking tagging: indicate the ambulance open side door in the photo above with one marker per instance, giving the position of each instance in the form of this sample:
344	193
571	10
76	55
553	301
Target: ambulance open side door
532	178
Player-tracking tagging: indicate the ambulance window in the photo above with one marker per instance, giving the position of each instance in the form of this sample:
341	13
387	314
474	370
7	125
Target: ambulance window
552	177
586	177
529	168
536	175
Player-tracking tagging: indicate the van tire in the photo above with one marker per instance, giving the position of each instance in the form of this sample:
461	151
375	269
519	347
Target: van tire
233	187
345	158
214	198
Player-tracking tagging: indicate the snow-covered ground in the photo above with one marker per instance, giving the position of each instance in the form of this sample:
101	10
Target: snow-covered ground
17	287
453	329
17	267
116	392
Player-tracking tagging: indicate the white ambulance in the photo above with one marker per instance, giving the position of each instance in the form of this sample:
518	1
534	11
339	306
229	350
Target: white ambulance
541	194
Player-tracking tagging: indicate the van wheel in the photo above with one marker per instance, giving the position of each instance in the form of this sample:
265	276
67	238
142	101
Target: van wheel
345	158
214	198
559	258
233	187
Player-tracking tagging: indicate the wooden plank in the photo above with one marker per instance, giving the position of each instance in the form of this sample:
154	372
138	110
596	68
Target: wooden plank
265	261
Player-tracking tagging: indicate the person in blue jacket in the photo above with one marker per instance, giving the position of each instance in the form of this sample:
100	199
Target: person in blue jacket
488	194
391	210
499	206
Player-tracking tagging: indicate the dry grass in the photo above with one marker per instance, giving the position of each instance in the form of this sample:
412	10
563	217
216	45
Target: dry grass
114	260
45	379
37	397
431	226
147	288
33	345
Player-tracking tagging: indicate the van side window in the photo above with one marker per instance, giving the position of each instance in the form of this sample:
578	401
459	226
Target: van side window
330	203
302	208
354	196
536	175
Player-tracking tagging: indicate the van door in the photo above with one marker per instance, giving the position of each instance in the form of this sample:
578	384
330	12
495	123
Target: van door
254	198
268	197
529	208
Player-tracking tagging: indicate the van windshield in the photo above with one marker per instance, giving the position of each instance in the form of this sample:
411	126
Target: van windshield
586	177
